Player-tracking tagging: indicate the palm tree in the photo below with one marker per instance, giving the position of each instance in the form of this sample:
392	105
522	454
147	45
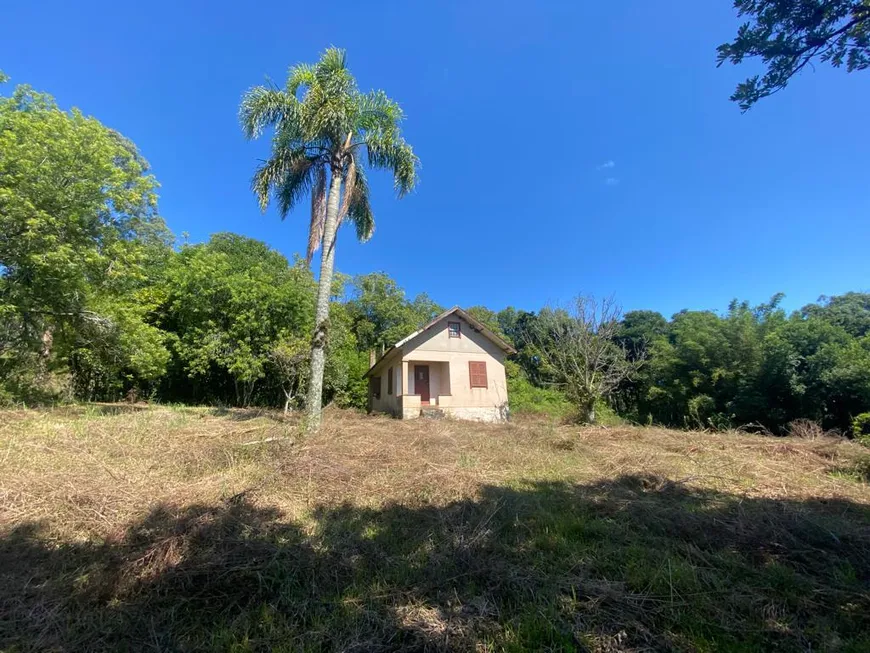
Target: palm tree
325	133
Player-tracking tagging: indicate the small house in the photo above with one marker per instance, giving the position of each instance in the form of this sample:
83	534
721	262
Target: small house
453	366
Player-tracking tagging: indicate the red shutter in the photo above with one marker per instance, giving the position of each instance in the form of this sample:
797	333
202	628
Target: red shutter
477	374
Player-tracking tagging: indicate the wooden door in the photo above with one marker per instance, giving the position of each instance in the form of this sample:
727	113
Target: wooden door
421	382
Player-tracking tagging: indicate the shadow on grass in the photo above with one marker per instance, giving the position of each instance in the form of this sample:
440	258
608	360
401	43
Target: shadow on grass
639	563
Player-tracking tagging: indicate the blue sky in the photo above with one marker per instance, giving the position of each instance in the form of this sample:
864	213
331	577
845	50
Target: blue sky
566	146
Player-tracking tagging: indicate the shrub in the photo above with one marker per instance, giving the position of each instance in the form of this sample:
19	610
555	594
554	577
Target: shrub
605	415
527	398
861	428
700	408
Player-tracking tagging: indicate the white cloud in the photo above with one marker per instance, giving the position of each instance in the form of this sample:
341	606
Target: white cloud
611	181
606	165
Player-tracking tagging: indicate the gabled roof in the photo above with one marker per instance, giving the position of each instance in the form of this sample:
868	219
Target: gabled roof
477	325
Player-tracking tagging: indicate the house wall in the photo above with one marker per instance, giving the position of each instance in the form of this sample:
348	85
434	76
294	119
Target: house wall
388	403
435	345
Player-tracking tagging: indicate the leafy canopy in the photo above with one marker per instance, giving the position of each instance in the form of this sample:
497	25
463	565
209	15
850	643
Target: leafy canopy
381	314
229	302
788	35
81	243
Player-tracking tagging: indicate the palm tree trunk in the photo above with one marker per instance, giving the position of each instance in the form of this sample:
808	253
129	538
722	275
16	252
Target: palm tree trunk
321	311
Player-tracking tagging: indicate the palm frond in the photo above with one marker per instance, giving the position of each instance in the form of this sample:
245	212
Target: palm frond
393	154
296	185
318	213
359	211
378	113
291	135
288	175
261	107
336	83
300	76
331	61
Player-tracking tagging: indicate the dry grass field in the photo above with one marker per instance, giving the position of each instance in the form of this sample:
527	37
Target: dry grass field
159	529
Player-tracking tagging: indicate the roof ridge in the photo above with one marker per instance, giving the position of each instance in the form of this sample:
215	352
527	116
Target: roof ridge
480	326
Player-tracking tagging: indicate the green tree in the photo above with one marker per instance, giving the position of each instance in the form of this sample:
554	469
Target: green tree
231	303
815	369
755	366
521	329
381	314
636	334
850	311
488	318
379	311
425	309
788	35
639	329
507	322
81	247
325	127
705	371
686	369
343	381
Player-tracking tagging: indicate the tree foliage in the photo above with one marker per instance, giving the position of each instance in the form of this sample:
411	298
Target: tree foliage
81	247
289	364
229	301
95	302
754	366
381	314
788	35
851	311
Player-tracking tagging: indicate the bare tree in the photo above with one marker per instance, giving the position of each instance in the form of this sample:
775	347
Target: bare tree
578	348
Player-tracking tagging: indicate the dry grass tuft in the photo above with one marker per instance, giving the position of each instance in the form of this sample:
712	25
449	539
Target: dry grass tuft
187	528
807	429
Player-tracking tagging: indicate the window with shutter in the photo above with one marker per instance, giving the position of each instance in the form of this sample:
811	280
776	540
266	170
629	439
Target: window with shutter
477	374
390	381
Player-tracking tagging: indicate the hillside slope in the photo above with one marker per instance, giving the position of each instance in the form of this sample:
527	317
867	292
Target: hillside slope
182	529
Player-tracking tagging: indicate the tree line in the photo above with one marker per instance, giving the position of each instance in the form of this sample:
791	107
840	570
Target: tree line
748	366
99	301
